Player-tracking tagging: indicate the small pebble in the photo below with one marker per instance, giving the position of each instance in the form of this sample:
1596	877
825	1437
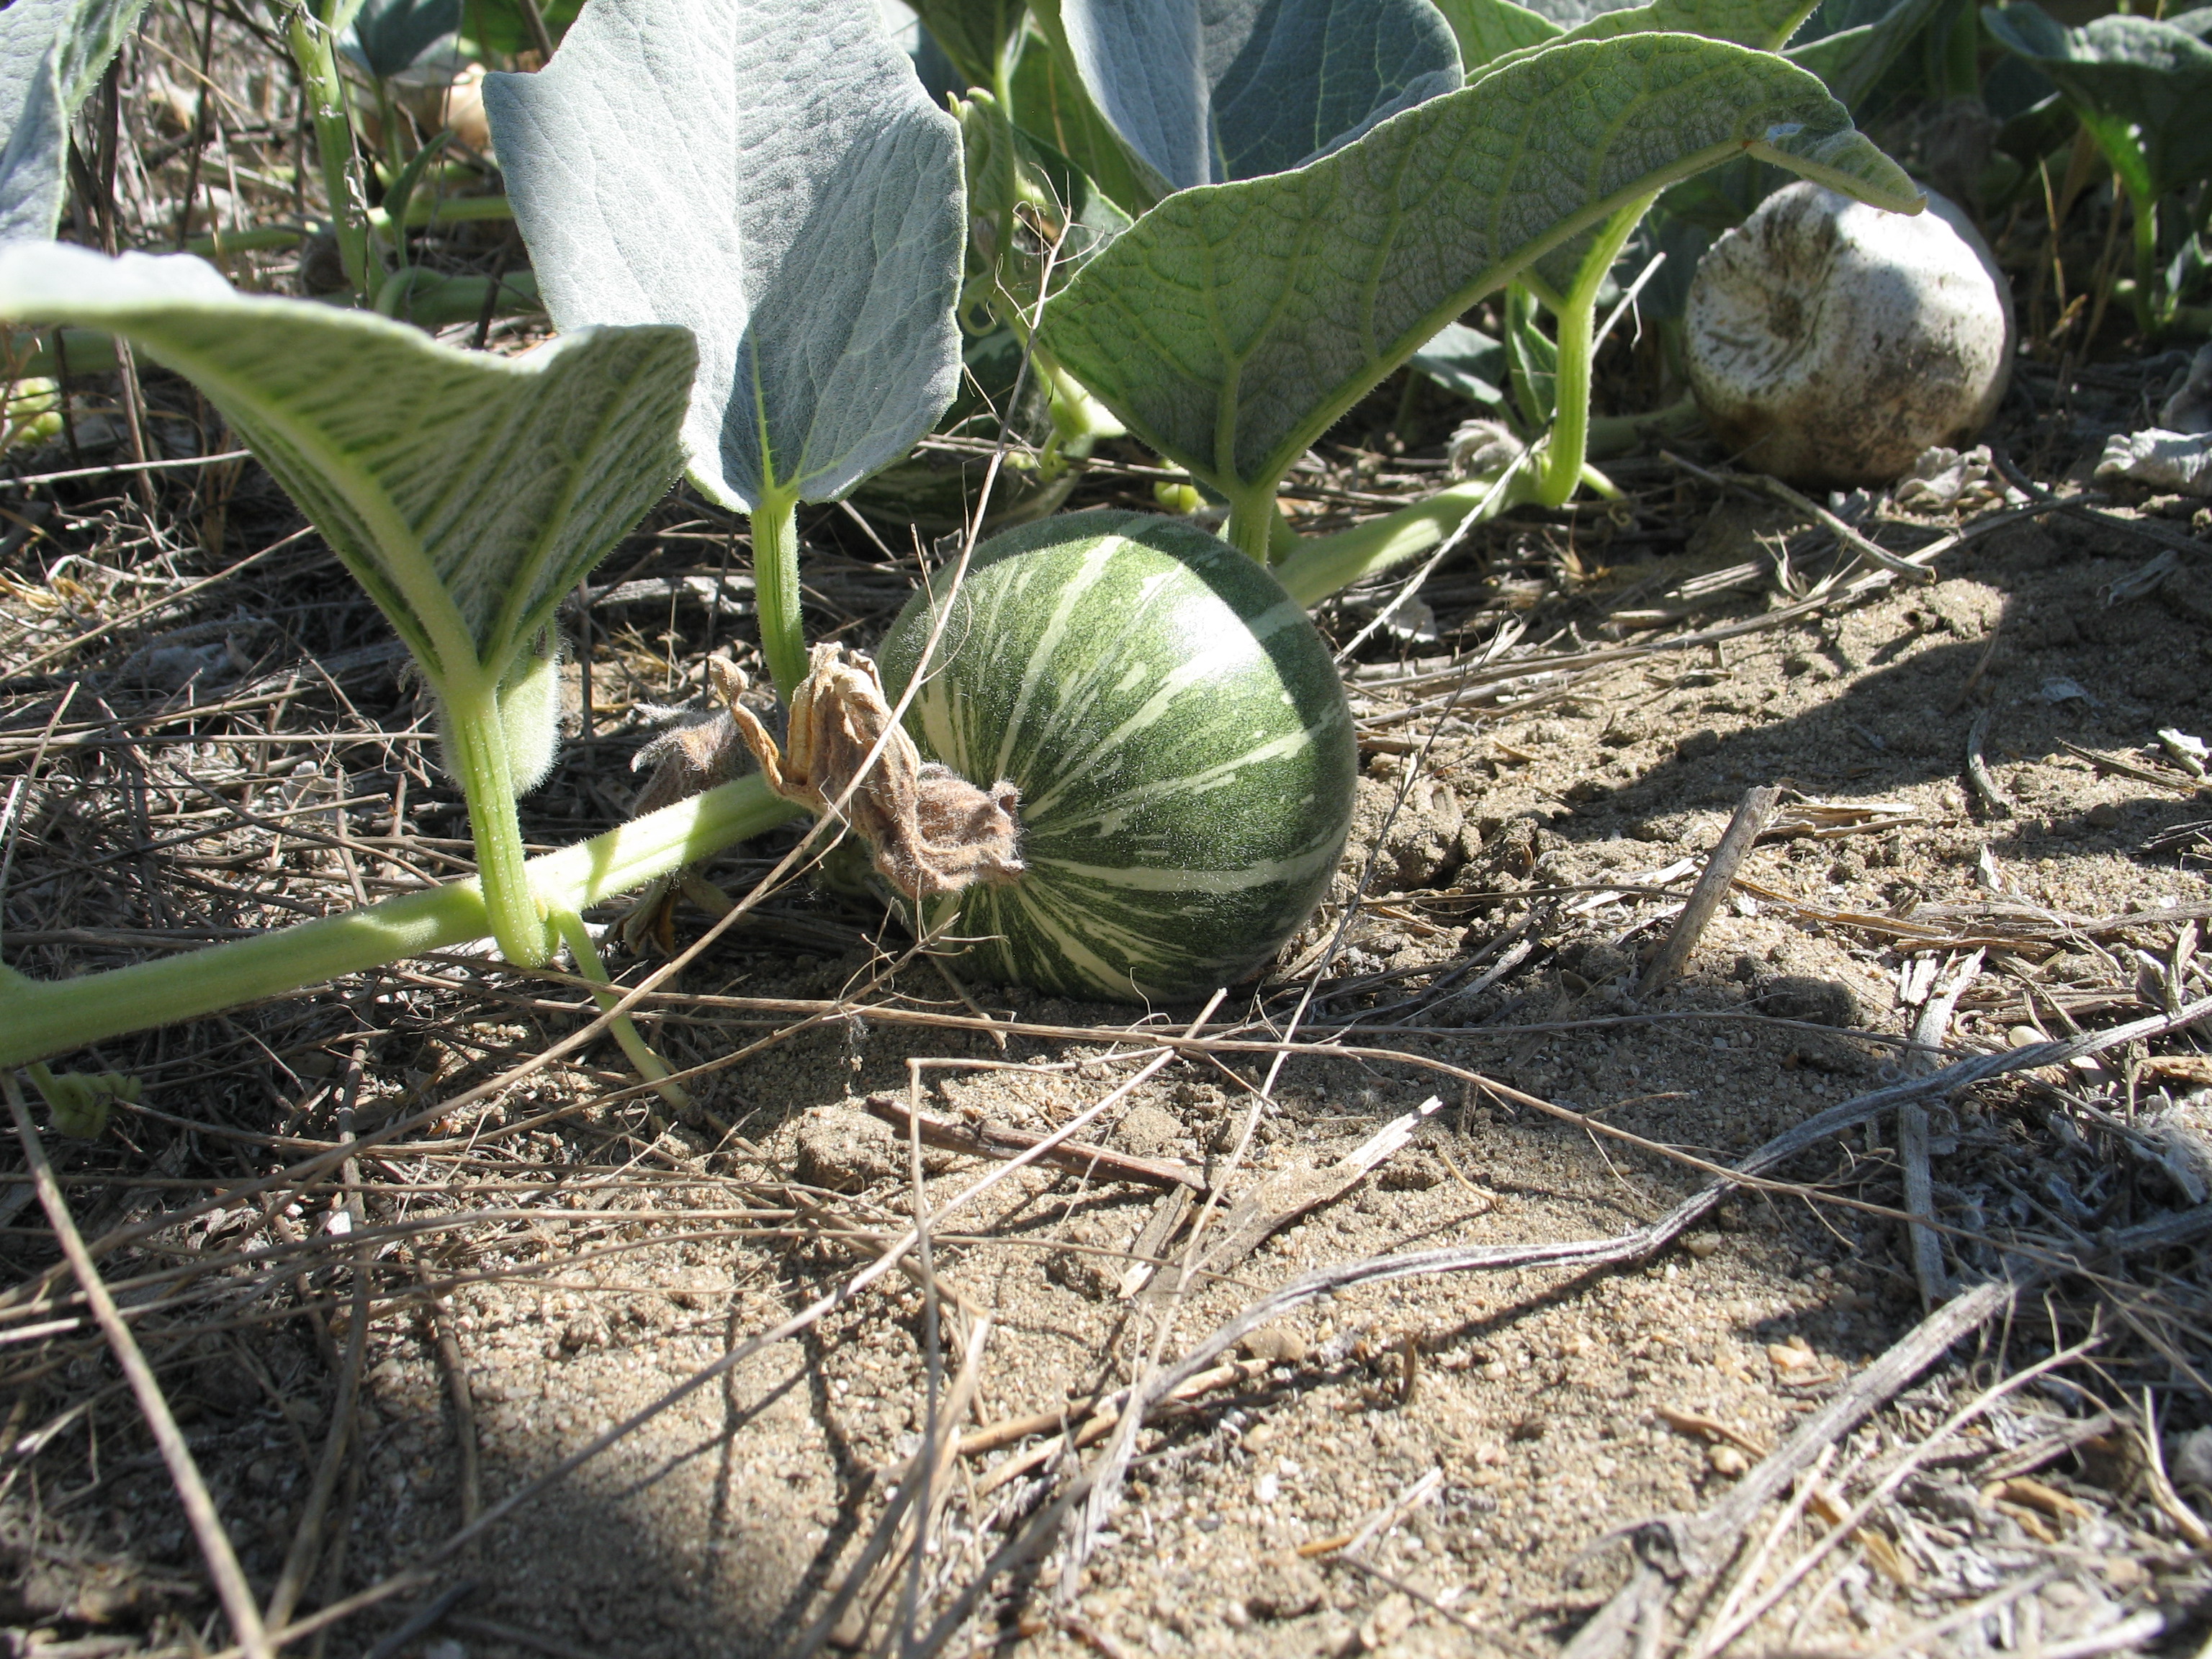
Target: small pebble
1724	1459
2103	816
2190	1461
1701	1246
1278	1345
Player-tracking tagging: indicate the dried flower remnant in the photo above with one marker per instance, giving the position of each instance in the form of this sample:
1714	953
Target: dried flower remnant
929	830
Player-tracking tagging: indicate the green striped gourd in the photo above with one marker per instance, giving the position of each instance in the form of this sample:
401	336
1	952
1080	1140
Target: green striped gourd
1180	738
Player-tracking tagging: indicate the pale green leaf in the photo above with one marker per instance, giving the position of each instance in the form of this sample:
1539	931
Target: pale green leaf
1234	323
468	493
1763	23
1490	29
52	53
1206	90
770	174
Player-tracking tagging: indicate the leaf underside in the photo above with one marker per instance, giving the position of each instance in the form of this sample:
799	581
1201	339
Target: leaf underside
2125	72
468	493
1233	323
770	174
1236	88
52	53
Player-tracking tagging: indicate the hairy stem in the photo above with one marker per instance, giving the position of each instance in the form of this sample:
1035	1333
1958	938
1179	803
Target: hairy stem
650	1065
2148	299
1251	526
1569	441
776	587
1322	565
476	750
313	36
42	1018
1568	447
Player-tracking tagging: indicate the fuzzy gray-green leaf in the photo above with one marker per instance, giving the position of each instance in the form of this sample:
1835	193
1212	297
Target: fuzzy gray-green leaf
468	493
1232	324
51	54
770	174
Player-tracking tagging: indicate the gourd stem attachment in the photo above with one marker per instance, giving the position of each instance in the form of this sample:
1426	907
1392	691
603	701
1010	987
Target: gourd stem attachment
38	1018
589	963
476	752
775	588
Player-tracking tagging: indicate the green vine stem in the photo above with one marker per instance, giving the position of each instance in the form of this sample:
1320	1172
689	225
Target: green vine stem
312	35
776	590
1322	565
2148	301
42	1018
1252	518
650	1065
476	753
1566	449
1078	419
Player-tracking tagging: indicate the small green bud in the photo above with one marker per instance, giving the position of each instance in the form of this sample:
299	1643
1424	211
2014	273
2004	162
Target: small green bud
79	1103
530	712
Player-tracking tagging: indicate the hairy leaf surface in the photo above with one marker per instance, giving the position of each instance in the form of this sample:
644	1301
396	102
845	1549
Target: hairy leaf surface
1762	23
1201	91
770	174
52	53
1234	323
468	493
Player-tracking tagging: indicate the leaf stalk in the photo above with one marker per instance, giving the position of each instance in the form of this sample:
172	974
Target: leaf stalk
39	1018
775	588
476	755
312	33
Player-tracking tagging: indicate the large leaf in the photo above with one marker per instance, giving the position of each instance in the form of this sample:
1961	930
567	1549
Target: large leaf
1051	105
1850	44
2143	87
388	36
1201	91
770	174
503	29
468	493
1233	323
52	52
1488	29
1762	23
975	34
